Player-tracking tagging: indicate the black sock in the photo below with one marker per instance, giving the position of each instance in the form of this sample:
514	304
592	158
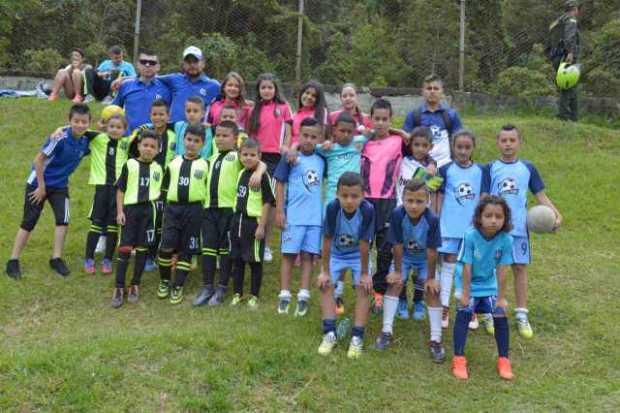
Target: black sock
225	269
257	277
329	325
111	240
209	266
183	269
502	335
461	327
121	268
91	241
165	265
357	331
138	267
238	272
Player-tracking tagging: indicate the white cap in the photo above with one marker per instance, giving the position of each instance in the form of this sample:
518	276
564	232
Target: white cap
192	51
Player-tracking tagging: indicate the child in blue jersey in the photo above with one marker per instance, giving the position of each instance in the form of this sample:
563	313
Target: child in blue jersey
299	214
480	281
464	183
49	180
511	178
348	230
415	236
194	115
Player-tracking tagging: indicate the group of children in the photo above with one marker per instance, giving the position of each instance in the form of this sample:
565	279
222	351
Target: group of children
343	182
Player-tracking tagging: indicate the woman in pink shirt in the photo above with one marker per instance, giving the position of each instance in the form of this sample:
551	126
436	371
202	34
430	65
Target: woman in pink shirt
311	104
233	94
348	98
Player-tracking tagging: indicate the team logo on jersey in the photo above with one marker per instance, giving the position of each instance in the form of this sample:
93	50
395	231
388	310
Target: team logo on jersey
157	96
311	178
199	173
230	157
346	240
124	145
508	186
464	192
439	134
156	176
412	245
203	91
242	191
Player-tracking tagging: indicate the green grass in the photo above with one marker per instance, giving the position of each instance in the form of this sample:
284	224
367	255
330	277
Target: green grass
64	349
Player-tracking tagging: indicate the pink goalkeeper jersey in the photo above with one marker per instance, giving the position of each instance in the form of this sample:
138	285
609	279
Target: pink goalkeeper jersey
380	166
273	120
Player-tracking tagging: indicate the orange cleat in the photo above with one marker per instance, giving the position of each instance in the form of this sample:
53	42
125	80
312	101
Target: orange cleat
52	97
459	367
504	368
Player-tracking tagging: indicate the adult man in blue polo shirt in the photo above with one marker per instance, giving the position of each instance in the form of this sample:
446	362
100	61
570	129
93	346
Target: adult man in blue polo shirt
442	120
192	82
137	95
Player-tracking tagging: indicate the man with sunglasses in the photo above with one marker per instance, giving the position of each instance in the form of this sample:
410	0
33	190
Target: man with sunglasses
137	95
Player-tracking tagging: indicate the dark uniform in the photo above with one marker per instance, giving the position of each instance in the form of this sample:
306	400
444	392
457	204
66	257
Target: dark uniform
141	184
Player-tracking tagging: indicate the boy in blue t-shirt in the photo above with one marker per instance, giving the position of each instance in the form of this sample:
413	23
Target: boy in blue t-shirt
49	180
194	115
349	228
299	214
415	236
511	178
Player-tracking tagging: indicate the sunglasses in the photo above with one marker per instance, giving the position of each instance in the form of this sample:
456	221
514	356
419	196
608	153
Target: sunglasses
146	62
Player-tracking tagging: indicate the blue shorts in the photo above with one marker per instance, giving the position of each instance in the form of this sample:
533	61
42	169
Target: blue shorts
481	305
420	268
301	238
450	245
338	266
521	250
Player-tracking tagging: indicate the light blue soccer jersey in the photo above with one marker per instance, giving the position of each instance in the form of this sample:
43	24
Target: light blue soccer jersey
511	181
346	230
341	159
207	149
461	189
484	255
303	190
416	238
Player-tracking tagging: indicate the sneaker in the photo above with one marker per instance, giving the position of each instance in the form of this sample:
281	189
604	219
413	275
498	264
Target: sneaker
474	324
445	317
89	266
356	347
339	306
88	99
268	255
459	367
302	308
524	327
107	100
236	300
78	99
487	323
106	266
253	302
134	294
218	297
13	270
377	305
117	297
383	341
403	309
283	306
52	97
419	310
176	295
438	353
59	266
328	343
150	265
100	248
204	296
343	327
164	289
504	369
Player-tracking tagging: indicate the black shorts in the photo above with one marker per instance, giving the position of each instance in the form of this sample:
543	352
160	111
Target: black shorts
216	231
181	228
96	86
243	243
139	228
57	198
103	211
271	160
159	215
383	214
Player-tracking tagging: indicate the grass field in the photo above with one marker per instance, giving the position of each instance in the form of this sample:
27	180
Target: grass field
64	349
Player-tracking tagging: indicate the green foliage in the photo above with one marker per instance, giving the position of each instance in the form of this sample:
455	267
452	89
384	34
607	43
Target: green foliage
46	61
603	66
523	82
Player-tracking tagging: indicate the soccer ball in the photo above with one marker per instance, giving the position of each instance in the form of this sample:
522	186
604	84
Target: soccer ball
541	219
110	111
345	240
312	177
508	185
464	190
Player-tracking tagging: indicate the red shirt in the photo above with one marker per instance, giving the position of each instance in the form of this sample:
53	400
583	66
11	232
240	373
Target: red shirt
273	120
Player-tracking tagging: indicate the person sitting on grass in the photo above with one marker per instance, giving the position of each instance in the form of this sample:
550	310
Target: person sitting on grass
98	82
69	79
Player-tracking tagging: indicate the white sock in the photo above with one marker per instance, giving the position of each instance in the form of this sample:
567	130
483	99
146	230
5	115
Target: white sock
285	295
390	305
521	313
303	295
339	290
434	318
447	274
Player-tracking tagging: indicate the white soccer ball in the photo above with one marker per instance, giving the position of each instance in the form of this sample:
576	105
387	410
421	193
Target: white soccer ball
541	219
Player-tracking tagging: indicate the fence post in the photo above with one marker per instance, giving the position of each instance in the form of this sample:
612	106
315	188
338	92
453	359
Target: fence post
300	28
462	47
136	35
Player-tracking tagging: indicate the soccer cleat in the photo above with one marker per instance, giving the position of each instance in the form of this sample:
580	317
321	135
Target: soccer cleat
176	295
134	294
117	297
204	296
13	270
339	306
236	300
89	266
253	302
487	322
445	317
474	324
459	367
377	305
419	310
302	308
403	309
218	296
164	289
283	306
383	341
328	343
59	266
268	256
524	327
150	265
438	353
356	348
106	266
504	369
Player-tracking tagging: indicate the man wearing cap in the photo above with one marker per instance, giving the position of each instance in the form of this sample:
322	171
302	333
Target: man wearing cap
192	82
